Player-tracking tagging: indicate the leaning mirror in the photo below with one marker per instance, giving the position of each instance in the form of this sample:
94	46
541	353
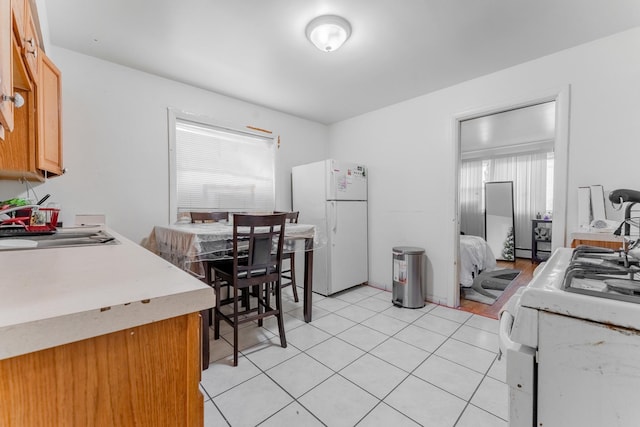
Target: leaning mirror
499	219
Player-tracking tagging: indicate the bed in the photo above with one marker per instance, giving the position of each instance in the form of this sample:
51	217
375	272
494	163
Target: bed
475	256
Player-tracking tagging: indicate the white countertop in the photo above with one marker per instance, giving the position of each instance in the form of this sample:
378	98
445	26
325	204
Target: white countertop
54	296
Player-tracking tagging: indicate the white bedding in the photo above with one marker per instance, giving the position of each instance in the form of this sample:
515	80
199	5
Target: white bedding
475	256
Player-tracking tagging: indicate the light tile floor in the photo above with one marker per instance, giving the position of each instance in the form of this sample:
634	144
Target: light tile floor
360	362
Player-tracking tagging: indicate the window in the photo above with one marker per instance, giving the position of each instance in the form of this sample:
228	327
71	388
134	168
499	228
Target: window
216	168
532	176
486	173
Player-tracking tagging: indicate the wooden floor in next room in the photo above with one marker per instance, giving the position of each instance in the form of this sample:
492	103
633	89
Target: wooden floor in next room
526	268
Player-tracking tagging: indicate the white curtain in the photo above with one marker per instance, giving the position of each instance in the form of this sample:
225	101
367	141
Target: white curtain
471	198
529	175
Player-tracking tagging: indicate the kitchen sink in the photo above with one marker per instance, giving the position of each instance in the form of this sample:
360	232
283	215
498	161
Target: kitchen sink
58	240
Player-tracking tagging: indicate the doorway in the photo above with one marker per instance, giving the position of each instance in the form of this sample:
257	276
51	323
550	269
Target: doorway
559	146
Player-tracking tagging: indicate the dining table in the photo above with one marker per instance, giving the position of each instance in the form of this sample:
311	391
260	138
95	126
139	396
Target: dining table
187	245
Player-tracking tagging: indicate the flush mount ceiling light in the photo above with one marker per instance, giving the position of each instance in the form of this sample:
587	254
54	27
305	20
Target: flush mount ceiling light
328	32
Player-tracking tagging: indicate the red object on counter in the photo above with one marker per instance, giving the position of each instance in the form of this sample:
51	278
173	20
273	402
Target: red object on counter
25	221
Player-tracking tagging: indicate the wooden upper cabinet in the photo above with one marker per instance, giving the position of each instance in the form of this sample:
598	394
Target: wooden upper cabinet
32	146
6	68
49	112
18	152
33	150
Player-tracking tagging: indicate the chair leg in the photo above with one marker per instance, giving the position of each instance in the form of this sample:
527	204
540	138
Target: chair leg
206	319
267	294
283	339
207	280
292	266
207	273
258	292
246	296
235	327
216	310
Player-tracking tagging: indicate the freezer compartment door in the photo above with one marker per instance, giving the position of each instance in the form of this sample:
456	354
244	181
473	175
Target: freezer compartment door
308	186
346	181
348	265
520	376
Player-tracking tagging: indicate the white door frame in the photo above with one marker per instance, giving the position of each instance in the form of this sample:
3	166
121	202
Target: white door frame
560	170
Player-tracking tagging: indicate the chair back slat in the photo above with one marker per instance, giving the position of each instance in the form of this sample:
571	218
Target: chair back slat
291	217
261	253
208	216
265	237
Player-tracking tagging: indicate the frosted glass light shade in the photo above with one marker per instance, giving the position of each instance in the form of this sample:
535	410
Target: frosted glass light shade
328	32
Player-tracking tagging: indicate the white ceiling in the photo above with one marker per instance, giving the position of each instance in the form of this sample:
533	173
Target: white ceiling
256	50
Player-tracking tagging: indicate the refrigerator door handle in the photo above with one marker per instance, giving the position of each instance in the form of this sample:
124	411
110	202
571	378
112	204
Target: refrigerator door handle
331	184
334	205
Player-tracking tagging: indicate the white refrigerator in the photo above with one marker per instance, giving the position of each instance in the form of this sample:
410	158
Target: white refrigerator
332	195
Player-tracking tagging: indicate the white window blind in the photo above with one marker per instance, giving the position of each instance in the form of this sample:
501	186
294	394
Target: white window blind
221	169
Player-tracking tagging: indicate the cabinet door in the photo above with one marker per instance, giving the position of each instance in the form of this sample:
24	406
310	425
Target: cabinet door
18	13
18	150
145	375
30	44
6	67
49	135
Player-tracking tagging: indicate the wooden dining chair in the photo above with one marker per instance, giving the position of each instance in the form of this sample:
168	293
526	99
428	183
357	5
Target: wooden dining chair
257	272
290	273
208	216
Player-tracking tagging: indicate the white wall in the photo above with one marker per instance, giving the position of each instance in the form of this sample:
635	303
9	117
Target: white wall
116	147
116	141
409	147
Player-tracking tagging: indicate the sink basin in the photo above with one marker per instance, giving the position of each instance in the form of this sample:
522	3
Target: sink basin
58	240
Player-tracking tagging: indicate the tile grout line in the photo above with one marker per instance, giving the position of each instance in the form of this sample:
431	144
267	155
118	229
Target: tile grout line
410	374
476	390
366	352
334	372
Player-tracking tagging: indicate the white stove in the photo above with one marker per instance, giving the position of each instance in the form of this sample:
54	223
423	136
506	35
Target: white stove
572	342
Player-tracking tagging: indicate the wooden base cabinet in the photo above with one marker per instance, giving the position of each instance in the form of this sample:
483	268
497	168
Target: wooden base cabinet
144	376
